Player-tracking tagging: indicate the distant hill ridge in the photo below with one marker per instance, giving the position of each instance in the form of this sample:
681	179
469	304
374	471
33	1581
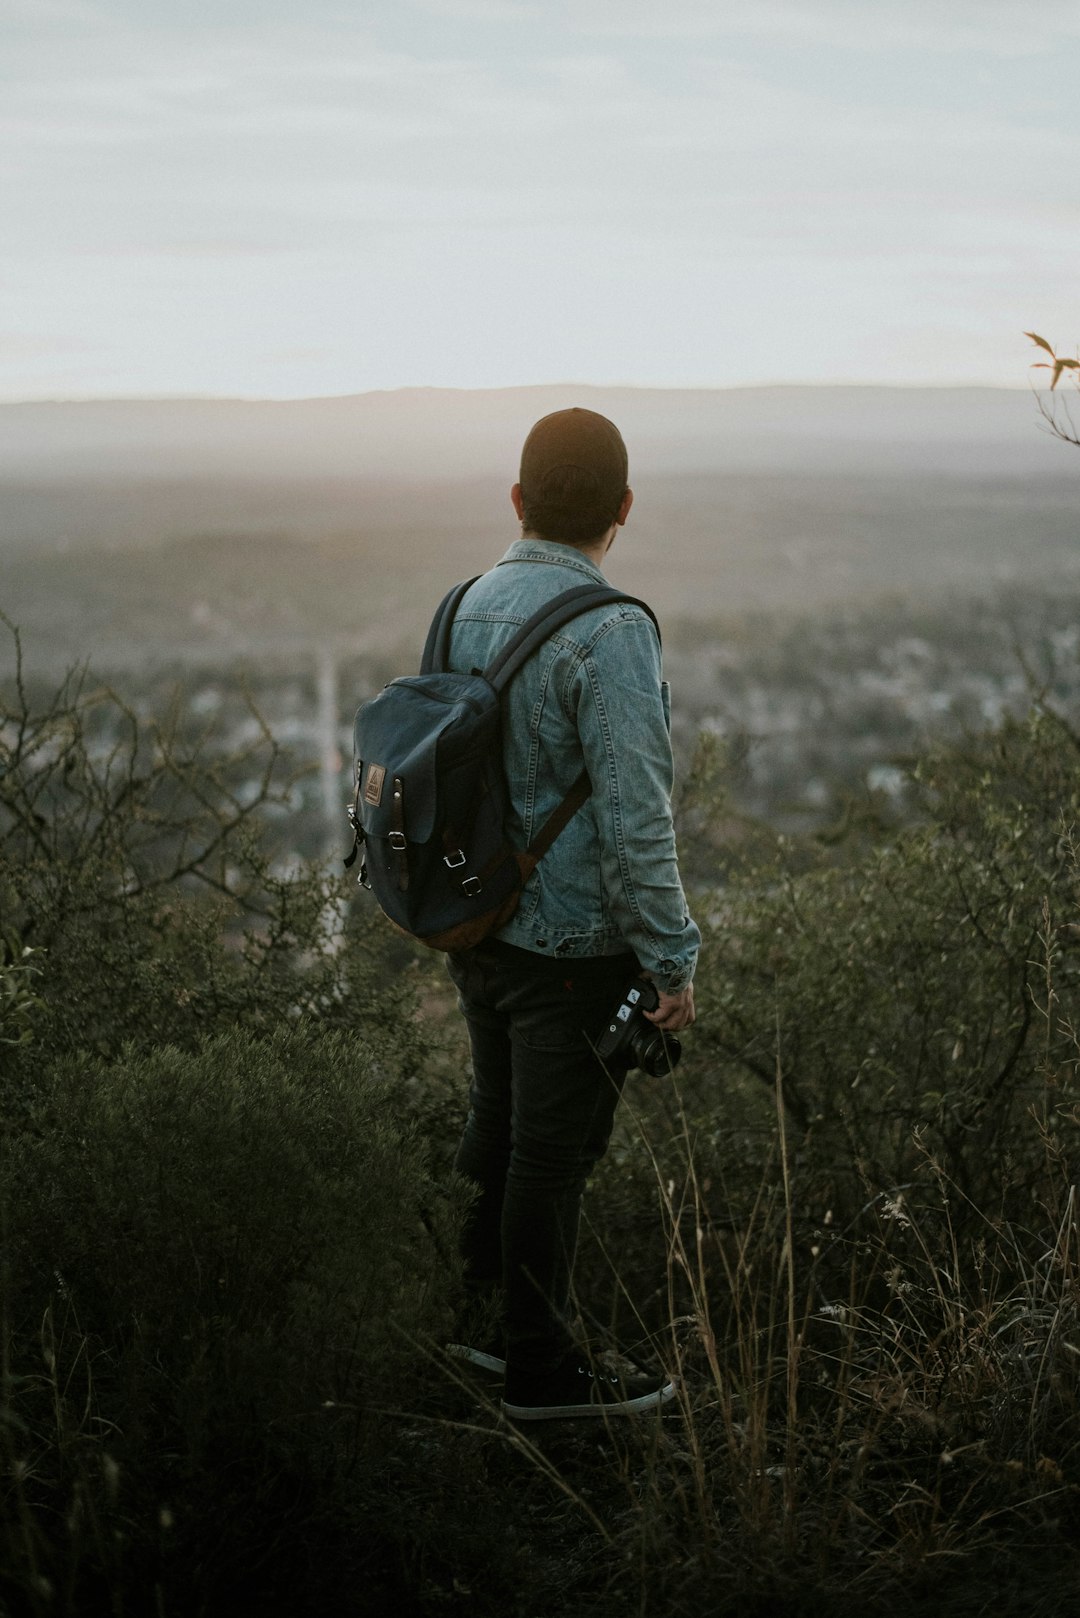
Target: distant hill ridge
435	434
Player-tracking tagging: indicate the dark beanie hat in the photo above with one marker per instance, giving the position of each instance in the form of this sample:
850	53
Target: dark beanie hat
574	457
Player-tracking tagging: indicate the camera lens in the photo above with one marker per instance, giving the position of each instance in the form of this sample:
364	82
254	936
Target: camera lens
655	1052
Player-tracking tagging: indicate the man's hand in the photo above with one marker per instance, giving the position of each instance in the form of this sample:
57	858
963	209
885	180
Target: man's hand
675	1011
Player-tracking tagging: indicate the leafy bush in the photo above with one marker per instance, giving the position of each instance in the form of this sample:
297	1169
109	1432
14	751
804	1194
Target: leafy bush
918	1000
851	1220
220	1264
19	1005
866	1258
133	861
223	1244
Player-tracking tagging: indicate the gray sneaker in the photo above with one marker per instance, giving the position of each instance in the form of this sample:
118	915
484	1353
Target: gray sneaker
580	1387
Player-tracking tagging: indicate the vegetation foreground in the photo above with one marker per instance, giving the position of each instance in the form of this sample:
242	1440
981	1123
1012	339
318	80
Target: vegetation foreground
849	1223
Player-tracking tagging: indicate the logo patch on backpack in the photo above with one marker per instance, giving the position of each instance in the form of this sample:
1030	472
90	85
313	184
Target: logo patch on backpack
373	784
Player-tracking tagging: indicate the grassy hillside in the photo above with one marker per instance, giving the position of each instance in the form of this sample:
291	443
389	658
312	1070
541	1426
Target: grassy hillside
848	1222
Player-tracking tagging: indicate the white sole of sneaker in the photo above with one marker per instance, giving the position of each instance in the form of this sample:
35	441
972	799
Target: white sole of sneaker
477	1356
621	1407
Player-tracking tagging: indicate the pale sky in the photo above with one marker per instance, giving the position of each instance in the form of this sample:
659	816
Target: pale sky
283	198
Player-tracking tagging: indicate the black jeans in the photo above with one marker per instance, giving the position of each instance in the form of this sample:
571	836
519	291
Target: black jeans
541	1108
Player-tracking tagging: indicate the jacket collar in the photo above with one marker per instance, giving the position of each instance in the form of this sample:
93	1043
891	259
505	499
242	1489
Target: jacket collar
548	550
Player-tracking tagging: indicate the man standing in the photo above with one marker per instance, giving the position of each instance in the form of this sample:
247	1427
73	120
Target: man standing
603	905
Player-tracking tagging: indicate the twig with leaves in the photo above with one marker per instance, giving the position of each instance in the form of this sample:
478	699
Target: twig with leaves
1055	412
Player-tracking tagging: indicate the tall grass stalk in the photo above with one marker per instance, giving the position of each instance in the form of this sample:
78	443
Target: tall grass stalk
856	1406
794	1336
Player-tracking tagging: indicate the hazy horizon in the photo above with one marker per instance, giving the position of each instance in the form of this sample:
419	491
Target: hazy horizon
195	528
963	385
453	434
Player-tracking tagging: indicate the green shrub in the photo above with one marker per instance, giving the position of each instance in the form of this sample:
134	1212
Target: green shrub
19	1005
918	1000
220	1264
850	1220
134	866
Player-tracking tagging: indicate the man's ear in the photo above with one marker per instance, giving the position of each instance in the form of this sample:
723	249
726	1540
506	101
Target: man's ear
624	509
517	502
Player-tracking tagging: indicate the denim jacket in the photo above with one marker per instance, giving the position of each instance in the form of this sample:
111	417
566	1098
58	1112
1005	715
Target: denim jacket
592	694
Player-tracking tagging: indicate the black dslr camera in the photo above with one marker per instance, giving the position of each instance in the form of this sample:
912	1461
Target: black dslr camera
639	1042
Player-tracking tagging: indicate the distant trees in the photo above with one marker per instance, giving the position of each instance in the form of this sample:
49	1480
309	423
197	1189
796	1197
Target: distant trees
1052	406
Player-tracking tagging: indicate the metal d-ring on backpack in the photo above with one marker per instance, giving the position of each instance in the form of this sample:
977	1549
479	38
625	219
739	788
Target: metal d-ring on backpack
431	798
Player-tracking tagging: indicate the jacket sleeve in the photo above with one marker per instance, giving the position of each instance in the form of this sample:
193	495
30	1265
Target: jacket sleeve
619	708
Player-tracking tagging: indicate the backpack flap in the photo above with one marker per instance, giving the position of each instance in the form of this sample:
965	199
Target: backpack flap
431	804
414	732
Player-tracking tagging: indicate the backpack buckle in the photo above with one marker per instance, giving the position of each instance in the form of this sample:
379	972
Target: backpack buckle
397	841
472	886
454	861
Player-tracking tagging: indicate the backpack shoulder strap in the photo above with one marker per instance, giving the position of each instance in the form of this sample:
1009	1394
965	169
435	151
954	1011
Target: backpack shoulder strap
562	814
437	645
550	617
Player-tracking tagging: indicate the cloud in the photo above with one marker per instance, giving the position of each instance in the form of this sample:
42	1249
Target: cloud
282	141
134	86
292	175
41	14
993	27
27	346
498	11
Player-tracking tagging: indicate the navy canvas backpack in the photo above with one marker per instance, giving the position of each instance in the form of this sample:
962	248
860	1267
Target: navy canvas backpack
431	799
